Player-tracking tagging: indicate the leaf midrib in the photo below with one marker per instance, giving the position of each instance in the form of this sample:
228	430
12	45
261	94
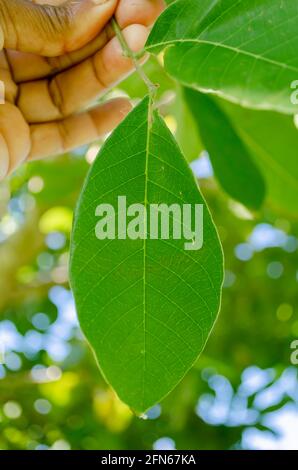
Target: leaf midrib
148	140
223	46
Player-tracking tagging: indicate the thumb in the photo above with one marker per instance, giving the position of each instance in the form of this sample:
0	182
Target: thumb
52	30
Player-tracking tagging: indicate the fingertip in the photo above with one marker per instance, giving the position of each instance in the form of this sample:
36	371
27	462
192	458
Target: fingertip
89	20
110	114
123	106
111	64
143	12
136	36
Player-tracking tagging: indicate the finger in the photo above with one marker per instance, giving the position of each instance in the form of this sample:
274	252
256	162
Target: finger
13	149
53	30
59	137
4	158
31	67
43	101
142	12
26	66
48	2
10	87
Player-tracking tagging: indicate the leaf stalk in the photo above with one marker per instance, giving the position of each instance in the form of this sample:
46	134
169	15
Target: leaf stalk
127	52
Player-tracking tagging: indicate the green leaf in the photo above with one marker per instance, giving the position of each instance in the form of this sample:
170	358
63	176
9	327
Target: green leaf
272	140
244	51
187	136
146	306
233	166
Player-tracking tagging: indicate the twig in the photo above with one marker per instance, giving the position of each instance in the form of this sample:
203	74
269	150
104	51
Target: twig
134	57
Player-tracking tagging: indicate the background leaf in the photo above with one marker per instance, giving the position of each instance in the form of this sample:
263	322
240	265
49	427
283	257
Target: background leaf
147	307
244	51
233	166
272	140
186	135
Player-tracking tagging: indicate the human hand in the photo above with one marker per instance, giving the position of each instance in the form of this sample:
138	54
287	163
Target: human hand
56	61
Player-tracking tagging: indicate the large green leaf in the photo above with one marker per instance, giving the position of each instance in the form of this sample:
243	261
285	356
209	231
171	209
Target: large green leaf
272	140
233	166
146	306
244	51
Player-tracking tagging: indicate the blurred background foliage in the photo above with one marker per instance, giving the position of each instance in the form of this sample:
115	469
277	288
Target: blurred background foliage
243	391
